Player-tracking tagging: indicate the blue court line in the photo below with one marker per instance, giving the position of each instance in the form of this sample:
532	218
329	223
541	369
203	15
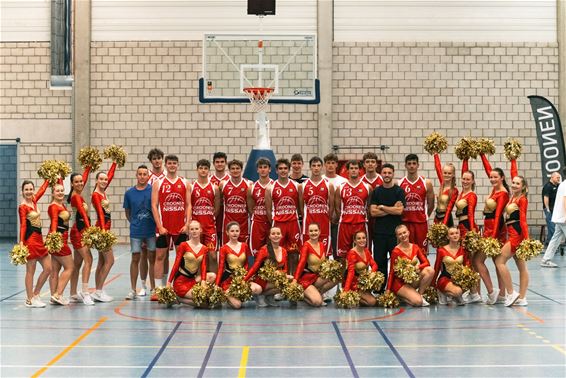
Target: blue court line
167	340
390	344
345	350
13	295
541	295
209	351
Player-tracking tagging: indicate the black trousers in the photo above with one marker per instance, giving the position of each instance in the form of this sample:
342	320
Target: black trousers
382	247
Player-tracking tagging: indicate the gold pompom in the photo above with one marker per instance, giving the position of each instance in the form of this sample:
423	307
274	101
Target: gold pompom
53	242
406	270
486	146
491	247
435	143
268	271
388	300
293	292
239	288
50	170
466	148
199	294
465	277
90	236
431	295
105	241
90	157
347	299
166	295
117	154
512	149
472	243
216	295
370	281
19	254
332	270
528	249
437	234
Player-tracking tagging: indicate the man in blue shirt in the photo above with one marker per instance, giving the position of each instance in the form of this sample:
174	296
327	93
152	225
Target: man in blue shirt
137	203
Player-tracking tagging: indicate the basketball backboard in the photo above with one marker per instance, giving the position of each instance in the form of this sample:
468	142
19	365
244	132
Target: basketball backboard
286	63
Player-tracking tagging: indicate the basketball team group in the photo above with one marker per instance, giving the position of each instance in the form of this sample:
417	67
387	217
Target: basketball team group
224	228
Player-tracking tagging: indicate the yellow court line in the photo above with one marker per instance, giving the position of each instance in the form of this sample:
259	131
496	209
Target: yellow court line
70	347
558	348
244	362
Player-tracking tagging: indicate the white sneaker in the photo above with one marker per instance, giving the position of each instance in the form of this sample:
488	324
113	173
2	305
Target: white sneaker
75	299
460	301
142	292
500	299
442	300
521	302
278	297
548	264
32	303
260	300
492	298
326	298
471	297
131	295
511	298
425	303
270	300
87	299
38	301
60	300
101	296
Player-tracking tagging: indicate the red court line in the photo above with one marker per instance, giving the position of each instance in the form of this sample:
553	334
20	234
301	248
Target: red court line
529	314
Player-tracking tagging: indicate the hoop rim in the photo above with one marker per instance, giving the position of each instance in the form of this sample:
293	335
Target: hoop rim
260	90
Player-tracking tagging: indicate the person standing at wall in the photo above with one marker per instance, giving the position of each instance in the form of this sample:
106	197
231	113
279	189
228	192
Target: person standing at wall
548	196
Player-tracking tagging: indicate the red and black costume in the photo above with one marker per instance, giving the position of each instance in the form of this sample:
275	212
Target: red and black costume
30	226
444	264
309	264
395	283
82	221
516	216
188	264
260	258
465	210
357	265
60	223
494	225
446	199
230	260
102	205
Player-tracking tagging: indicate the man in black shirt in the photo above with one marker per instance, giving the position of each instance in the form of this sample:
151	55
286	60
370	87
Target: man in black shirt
548	198
386	206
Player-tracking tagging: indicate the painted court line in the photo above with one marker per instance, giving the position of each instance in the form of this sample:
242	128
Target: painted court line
13	295
244	362
345	350
395	352
70	347
209	351
161	350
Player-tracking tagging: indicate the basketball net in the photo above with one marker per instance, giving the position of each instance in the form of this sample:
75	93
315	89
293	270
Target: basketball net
259	97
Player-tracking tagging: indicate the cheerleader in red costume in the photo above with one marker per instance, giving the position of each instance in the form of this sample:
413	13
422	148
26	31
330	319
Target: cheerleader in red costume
271	251
101	205
493	226
448	192
30	236
406	249
517	230
82	252
358	260
189	268
313	253
446	257
232	255
60	217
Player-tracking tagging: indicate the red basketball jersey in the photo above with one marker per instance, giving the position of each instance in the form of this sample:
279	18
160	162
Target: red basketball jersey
285	201
315	200
217	180
235	202
153	177
258	194
354	201
172	204
415	198
377	181
202	201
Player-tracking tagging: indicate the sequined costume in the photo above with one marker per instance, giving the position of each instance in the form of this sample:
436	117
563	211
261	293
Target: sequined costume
188	264
446	199
60	217
444	265
260	259
82	221
102	205
356	265
395	283
309	264
228	261
494	225
30	225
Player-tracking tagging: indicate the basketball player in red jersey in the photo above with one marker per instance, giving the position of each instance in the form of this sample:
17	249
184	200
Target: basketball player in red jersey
219	160
419	196
205	204
373	179
316	198
260	226
147	258
171	208
351	201
282	204
234	194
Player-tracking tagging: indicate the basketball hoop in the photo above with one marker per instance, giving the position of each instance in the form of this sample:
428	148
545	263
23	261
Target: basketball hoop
259	97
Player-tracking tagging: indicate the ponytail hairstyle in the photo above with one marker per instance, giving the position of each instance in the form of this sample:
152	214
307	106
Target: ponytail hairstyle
73	175
500	173
27	182
473	178
525	189
453	181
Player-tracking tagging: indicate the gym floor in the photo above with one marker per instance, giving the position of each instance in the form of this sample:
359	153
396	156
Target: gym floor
142	338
